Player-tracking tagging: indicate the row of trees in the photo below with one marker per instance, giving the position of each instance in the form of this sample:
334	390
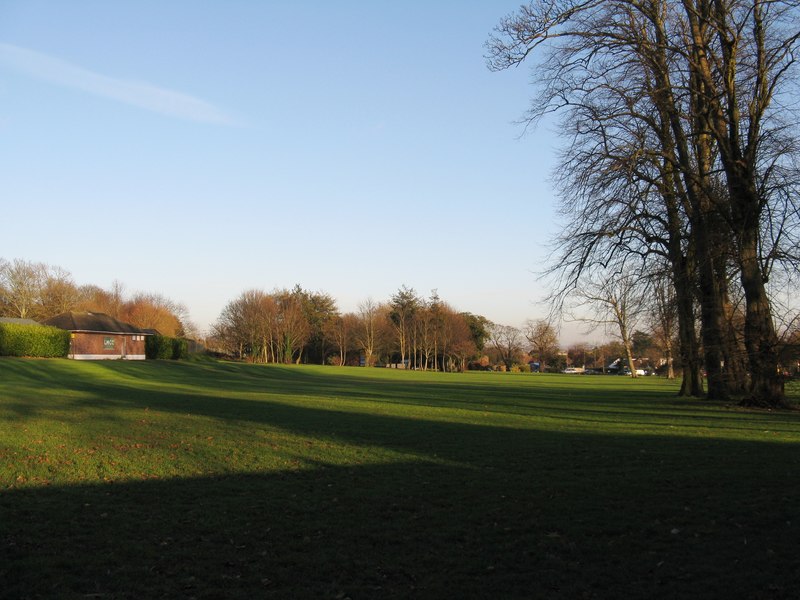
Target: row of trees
422	333
301	326
680	166
31	290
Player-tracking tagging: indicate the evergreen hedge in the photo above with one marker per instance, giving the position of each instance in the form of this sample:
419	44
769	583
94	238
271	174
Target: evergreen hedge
33	340
165	347
180	348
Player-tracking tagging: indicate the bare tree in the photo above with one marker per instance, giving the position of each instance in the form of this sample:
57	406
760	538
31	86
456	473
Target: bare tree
663	320
611	301
58	294
463	349
231	329
455	344
741	56
21	284
116	299
622	193
507	341
342	331
261	313
5	308
294	328
660	95
543	339
367	335
428	325
252	326
404	305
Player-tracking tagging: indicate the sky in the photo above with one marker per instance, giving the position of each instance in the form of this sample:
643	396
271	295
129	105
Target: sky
199	149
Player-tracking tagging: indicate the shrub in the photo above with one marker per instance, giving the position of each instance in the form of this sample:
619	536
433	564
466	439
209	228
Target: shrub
180	348
158	346
33	340
164	347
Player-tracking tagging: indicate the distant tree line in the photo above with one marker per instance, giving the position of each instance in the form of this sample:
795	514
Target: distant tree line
536	344
407	330
32	290
301	326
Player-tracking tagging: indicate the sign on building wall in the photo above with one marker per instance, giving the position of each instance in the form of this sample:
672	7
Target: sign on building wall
108	343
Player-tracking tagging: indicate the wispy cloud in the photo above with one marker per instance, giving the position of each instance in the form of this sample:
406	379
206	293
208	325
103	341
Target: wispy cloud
144	95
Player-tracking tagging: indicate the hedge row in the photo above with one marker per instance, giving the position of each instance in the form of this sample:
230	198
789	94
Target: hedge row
164	347
33	340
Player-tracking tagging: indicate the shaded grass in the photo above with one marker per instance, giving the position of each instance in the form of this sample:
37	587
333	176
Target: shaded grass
214	479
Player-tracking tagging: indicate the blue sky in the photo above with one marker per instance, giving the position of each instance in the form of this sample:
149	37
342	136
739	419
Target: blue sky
198	149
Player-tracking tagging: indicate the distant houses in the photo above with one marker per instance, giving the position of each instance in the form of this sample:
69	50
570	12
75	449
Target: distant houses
98	336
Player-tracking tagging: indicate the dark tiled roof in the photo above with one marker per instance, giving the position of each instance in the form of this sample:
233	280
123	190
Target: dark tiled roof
16	321
87	321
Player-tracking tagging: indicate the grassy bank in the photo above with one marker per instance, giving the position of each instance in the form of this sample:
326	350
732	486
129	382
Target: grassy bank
207	480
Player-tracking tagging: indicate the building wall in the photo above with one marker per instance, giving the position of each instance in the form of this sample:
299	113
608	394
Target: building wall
100	346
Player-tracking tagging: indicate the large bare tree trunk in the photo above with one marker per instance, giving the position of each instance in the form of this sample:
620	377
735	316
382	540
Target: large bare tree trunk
739	151
692	383
760	337
711	313
735	369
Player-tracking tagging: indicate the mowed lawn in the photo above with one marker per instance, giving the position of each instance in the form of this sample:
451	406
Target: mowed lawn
224	480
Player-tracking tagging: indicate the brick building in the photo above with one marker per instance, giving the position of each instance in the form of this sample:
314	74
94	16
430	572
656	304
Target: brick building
97	336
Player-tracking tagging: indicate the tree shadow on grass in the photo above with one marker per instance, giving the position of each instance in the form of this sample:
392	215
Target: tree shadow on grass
459	510
496	513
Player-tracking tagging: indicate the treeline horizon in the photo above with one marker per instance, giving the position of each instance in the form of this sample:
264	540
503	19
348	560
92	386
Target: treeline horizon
301	326
297	325
407	330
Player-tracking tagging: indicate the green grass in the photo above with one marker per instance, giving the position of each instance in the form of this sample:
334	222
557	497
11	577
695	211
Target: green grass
208	480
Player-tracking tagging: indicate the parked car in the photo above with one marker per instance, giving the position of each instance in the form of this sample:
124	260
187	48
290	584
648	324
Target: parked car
574	370
626	371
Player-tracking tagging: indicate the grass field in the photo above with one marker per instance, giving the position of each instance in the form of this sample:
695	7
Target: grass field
209	479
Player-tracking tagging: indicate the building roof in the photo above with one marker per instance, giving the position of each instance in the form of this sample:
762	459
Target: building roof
17	321
92	322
